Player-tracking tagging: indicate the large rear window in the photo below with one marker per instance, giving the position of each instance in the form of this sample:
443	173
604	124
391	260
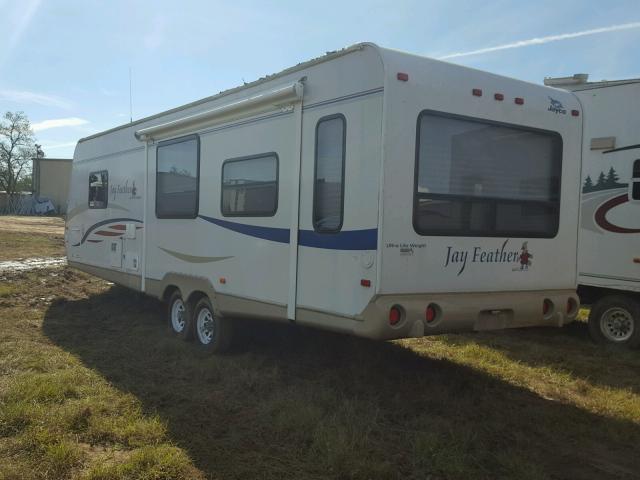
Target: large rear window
480	178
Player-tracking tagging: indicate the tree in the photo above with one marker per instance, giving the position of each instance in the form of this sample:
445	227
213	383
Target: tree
612	178
602	182
588	185
17	149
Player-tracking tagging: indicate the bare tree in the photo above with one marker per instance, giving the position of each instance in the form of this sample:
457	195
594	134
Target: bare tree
17	148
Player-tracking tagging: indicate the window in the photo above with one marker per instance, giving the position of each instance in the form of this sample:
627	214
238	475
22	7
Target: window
328	191
480	178
635	191
98	189
177	178
250	186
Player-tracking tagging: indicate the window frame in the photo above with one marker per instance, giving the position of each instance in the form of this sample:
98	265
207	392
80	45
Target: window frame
317	228
635	179
106	201
250	213
485	233
164	143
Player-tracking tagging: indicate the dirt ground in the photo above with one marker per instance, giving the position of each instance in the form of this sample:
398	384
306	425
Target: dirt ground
29	237
40	225
92	386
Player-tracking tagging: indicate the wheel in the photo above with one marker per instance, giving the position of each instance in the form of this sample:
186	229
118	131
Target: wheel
212	332
616	320
178	316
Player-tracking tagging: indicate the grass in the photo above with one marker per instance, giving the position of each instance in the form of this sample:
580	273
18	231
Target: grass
19	245
92	387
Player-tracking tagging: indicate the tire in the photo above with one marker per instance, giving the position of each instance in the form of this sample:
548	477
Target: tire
212	333
178	316
616	320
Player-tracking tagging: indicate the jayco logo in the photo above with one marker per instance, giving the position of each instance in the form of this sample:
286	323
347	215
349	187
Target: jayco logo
125	189
460	258
556	106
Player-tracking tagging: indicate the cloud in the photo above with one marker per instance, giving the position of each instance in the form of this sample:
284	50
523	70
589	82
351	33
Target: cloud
543	40
57	123
56	146
24	96
19	18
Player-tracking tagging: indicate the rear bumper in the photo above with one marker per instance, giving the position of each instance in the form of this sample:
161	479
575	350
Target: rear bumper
459	312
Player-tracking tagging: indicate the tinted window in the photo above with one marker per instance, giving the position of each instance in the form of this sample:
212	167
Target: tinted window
177	178
476	178
250	186
98	189
328	194
635	190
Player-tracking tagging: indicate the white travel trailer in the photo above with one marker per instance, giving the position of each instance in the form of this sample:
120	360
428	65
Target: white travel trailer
368	191
609	240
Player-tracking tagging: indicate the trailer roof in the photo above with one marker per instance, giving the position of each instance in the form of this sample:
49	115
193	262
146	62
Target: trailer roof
324	58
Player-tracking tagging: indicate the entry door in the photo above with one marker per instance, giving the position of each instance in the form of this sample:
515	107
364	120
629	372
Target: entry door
338	208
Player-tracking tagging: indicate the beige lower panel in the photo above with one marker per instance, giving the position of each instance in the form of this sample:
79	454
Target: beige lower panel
459	311
464	312
125	279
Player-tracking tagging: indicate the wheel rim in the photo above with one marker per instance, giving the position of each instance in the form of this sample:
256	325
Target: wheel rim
205	326
177	315
617	324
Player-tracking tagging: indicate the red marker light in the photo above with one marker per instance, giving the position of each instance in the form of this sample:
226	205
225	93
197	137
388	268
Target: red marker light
575	113
519	101
365	283
395	315
403	77
498	96
476	92
430	314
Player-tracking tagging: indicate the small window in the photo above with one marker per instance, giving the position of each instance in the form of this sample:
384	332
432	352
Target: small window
635	190
250	186
480	178
98	189
328	192
177	178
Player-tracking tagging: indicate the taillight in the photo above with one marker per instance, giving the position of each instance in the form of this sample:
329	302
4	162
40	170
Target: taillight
572	306
395	315
431	313
547	306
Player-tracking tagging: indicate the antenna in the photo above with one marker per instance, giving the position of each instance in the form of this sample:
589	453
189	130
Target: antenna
130	99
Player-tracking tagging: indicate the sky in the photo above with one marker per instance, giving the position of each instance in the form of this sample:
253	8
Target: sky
66	63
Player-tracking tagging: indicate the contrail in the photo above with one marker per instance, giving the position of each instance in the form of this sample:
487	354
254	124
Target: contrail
542	40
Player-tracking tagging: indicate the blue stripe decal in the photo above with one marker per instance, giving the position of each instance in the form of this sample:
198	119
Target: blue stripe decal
348	240
280	235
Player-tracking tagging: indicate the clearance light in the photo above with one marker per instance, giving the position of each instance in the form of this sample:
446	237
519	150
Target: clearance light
519	100
365	283
395	315
636	260
223	280
476	92
546	307
498	96
431	313
403	77
575	113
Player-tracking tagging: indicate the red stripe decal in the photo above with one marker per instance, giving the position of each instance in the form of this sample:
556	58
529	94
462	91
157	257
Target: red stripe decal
118	227
95	241
108	234
601	215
